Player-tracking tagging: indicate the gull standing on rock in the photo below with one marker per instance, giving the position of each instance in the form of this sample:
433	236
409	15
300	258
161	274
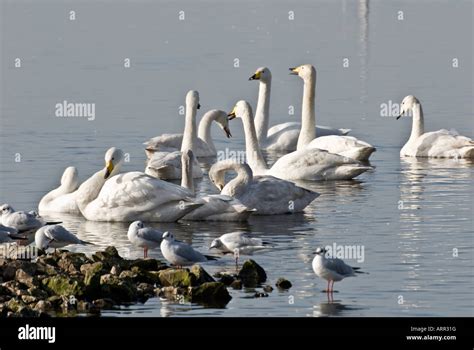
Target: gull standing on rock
179	253
55	236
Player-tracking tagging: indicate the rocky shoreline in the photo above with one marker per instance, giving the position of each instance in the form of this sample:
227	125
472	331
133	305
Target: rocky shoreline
69	284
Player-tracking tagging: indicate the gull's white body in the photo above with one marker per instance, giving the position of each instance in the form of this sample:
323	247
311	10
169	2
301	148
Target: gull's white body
63	198
132	196
204	146
435	144
55	236
167	166
281	137
305	164
267	194
331	269
179	253
20	220
237	241
144	237
347	146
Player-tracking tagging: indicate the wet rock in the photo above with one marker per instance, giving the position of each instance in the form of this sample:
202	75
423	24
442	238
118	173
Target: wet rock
15	288
210	293
176	278
25	278
174	293
72	262
201	275
118	290
38	293
252	274
43	306
145	276
92	274
283	283
146	289
14	304
28	299
9	271
63	285
110	257
115	270
4	291
148	264
236	284
55	301
128	275
268	288
87	307
104	303
227	279
26	311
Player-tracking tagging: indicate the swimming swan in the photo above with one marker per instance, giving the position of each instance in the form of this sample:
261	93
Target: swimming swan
167	165
131	196
268	194
305	164
284	136
347	146
63	198
434	144
204	144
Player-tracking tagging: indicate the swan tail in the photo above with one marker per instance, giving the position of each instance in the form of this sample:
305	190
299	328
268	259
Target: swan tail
469	152
211	257
348	172
365	152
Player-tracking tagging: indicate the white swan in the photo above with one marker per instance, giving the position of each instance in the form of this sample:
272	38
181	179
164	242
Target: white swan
204	144
268	194
216	207
167	165
63	198
305	164
131	196
284	136
435	144
347	146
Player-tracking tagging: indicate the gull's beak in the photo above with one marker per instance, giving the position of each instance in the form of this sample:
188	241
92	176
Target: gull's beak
109	168
294	71
232	115
227	132
256	76
199	106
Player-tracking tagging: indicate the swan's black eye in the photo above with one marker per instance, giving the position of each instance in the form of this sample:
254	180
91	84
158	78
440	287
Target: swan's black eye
113	158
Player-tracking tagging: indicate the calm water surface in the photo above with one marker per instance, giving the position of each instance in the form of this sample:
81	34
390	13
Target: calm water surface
410	215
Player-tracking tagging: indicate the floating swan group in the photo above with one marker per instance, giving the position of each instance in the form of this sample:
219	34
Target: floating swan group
312	153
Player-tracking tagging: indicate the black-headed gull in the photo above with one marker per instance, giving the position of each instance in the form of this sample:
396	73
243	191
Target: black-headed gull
55	236
144	237
179	253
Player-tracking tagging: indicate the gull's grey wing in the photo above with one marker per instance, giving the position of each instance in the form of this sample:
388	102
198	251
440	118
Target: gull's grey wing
150	234
340	267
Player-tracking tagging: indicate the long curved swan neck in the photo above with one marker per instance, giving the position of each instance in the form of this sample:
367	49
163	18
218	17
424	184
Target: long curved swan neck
190	135
418	125
254	155
187	180
204	131
308	115
262	113
89	190
238	184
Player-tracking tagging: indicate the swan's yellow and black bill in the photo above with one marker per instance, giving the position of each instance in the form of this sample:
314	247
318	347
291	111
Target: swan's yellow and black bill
256	76
227	132
294	70
199	106
232	115
109	167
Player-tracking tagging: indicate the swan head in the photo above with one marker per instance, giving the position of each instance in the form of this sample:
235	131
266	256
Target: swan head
263	74
216	244
223	122
305	71
6	209
242	107
70	178
192	99
407	105
168	236
217	177
113	161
